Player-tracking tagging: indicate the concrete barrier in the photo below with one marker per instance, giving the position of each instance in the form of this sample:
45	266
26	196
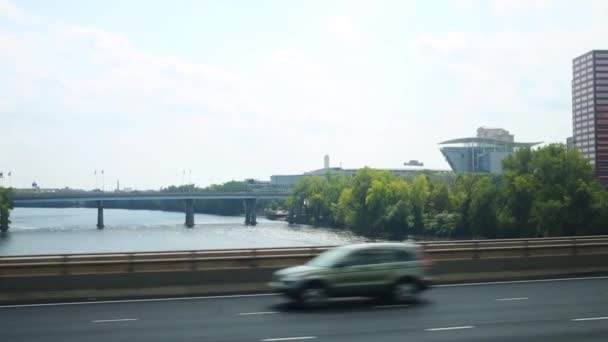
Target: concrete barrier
190	273
179	283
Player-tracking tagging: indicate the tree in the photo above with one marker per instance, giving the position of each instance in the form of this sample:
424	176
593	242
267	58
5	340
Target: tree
439	199
548	192
6	205
482	209
419	195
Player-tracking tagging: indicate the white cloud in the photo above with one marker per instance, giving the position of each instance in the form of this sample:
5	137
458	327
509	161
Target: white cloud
343	28
519	6
508	76
9	10
94	72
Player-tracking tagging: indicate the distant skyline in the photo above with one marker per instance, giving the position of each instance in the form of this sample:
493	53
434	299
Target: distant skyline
246	89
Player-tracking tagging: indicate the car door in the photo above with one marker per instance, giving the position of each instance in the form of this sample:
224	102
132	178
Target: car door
358	273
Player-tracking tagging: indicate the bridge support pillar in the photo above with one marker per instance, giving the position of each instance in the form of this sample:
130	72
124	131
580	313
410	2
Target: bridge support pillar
189	213
250	212
100	215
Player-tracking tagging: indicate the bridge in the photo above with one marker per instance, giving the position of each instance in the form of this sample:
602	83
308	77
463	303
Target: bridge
249	199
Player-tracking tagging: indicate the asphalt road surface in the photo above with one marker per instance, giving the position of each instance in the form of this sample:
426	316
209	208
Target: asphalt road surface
555	310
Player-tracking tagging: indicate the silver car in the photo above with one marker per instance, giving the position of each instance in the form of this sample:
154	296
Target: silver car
398	271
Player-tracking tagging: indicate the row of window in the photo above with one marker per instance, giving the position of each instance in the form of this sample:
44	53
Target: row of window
589	77
581	137
582	91
583	98
583	111
601	54
602	101
587	84
582	72
601	61
588	149
584	58
585	119
583	79
579	129
581	105
601	91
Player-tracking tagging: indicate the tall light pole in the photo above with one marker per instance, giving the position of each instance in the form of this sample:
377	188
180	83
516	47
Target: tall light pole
103	181
96	184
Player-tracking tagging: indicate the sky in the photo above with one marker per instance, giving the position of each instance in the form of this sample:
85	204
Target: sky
246	89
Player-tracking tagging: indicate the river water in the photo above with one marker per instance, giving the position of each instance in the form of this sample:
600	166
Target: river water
72	230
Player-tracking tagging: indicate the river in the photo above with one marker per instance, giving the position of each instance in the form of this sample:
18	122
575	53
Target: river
72	230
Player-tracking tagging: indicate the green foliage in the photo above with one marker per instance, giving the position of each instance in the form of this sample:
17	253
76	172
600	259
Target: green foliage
547	192
6	205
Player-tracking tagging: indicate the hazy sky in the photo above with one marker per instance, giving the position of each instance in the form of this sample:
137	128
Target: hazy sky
237	89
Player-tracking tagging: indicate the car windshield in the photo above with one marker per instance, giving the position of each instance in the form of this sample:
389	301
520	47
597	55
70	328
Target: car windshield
329	258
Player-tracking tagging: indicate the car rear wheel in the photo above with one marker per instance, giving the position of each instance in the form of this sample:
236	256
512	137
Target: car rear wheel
314	296
404	290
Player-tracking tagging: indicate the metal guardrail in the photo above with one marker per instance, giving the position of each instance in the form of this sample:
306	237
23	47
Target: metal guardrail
428	246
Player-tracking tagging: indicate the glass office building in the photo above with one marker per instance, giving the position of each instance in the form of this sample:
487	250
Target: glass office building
483	153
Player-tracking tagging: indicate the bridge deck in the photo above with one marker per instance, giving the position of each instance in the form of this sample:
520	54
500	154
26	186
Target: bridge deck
93	197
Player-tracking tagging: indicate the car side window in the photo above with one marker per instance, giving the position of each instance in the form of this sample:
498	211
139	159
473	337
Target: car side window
358	258
378	256
403	255
372	257
383	256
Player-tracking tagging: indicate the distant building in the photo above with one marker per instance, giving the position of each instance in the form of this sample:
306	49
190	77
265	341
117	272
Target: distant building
327	169
413	163
590	109
570	143
285	179
483	153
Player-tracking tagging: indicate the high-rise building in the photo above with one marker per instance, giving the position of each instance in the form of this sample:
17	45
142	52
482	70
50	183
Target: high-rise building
590	109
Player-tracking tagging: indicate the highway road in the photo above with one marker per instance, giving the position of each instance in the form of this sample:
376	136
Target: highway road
555	310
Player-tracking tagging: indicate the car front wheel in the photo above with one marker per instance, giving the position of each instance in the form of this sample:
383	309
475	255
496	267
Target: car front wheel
314	296
404	290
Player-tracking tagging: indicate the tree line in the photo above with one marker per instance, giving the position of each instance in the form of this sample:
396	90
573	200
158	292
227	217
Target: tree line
546	192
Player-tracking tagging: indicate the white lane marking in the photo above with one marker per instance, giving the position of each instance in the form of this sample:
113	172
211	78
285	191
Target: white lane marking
115	320
391	306
589	319
258	313
510	299
451	328
521	281
276	294
289	338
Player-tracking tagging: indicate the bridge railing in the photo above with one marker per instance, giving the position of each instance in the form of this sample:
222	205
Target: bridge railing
37	265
